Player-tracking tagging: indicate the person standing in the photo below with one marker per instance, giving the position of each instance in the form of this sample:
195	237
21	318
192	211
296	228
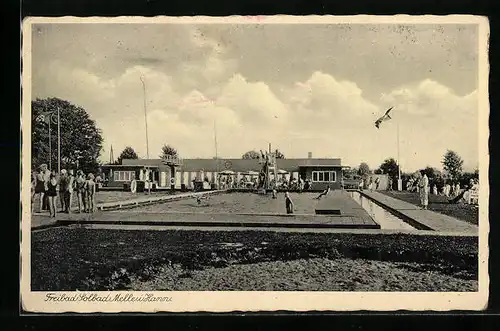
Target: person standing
424	190
69	193
370	184
435	190
52	194
40	185
80	183
288	204
90	189
63	188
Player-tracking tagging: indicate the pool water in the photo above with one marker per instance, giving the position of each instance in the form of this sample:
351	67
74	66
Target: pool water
252	203
383	217
304	203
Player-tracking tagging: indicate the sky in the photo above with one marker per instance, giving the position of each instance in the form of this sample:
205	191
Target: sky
301	87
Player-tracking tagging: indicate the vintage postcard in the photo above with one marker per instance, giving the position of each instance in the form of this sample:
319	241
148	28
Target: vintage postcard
259	163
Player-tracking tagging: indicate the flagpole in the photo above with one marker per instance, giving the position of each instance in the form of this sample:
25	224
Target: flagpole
399	165
215	140
58	141
50	143
145	116
147	139
216	180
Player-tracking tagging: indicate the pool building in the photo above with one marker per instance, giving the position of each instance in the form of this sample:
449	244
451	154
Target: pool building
176	173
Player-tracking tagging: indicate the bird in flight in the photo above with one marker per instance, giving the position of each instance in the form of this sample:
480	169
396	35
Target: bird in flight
384	118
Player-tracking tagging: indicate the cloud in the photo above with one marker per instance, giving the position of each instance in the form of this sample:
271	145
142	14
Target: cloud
194	84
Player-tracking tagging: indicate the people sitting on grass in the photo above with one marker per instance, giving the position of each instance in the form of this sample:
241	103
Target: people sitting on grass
324	193
288	204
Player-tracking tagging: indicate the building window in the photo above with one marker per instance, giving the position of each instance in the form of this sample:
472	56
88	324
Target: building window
123	176
324	176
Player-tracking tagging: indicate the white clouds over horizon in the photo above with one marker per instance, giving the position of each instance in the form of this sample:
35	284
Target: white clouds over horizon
327	115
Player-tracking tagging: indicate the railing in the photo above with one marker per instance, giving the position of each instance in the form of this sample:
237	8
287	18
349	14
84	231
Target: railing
170	159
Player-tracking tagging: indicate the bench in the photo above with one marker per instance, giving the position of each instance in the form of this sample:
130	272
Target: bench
473	197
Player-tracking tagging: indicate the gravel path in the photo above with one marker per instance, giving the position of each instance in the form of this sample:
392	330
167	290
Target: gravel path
316	274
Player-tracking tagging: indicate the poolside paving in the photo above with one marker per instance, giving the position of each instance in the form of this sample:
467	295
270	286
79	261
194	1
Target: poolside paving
429	219
216	214
208	219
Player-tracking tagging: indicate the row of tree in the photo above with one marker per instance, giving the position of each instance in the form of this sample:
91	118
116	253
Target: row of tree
452	166
255	155
129	153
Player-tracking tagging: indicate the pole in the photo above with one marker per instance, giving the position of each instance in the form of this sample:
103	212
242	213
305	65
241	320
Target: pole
216	180
399	165
215	138
50	144
146	122
58	141
145	116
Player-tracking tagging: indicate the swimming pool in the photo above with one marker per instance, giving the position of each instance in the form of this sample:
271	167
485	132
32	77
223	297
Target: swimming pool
383	217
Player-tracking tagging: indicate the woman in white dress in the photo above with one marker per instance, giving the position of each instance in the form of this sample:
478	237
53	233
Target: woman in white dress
423	185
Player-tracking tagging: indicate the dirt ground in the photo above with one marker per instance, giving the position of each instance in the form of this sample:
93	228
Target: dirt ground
88	259
316	274
438	203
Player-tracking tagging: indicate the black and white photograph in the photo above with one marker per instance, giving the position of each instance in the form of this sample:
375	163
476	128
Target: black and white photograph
254	163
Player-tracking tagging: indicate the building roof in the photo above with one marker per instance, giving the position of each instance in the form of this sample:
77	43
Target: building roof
237	165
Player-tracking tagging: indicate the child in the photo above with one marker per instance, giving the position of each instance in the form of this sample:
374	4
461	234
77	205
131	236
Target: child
90	189
274	194
288	204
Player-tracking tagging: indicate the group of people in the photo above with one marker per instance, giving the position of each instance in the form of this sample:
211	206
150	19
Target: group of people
371	184
49	185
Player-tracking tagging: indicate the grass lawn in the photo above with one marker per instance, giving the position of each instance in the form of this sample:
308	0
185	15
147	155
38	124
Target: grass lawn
89	259
438	203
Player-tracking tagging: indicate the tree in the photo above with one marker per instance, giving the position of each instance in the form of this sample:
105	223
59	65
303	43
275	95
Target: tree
279	155
250	155
390	167
452	164
127	154
350	173
363	170
81	139
168	150
467	176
